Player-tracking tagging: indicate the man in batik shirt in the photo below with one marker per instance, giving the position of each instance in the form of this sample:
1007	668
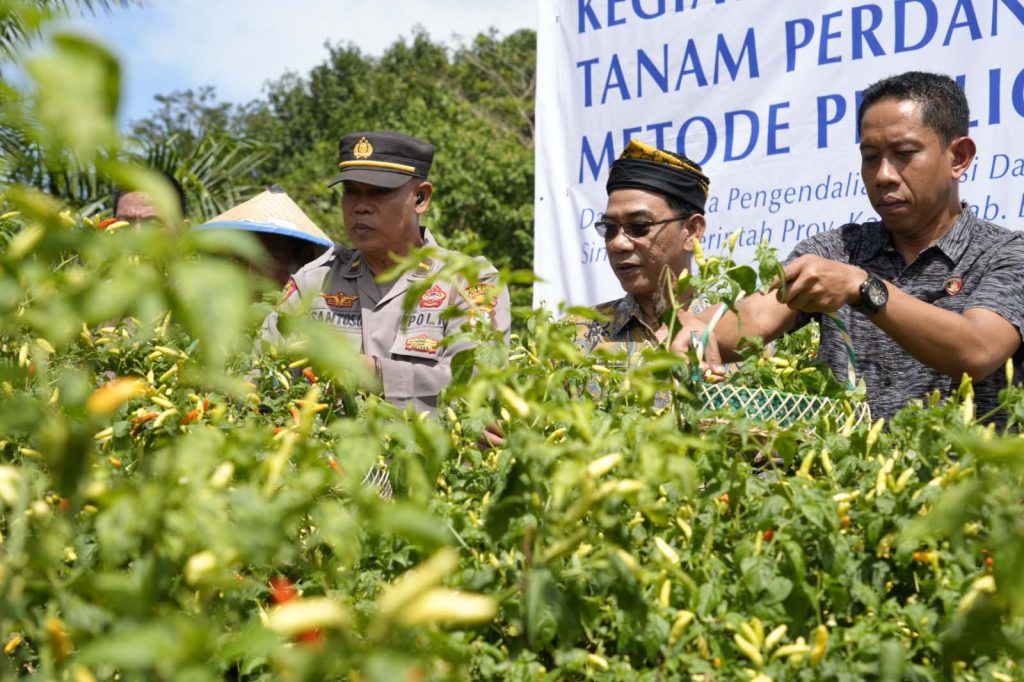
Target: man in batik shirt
654	216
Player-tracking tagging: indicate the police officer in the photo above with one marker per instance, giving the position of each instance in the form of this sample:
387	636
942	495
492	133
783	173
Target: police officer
384	179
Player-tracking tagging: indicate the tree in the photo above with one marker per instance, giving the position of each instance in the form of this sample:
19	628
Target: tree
475	103
20	20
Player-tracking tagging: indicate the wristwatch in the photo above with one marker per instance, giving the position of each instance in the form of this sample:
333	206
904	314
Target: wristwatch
873	295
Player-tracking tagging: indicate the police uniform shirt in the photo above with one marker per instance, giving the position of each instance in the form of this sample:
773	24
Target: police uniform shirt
372	316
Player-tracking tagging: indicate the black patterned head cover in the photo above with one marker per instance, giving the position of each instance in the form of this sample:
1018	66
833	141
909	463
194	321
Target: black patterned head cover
642	166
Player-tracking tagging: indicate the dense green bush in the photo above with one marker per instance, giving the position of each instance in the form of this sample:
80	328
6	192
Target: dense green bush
175	506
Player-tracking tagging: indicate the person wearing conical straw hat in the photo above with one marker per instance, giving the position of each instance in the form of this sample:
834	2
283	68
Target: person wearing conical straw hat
385	194
284	230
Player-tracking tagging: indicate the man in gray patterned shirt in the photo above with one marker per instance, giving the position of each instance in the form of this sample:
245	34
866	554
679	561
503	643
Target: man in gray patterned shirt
929	293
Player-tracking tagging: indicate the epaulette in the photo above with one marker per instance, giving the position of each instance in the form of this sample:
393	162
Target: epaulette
424	268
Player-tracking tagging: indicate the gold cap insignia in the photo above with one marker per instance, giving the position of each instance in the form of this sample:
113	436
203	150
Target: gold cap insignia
363	149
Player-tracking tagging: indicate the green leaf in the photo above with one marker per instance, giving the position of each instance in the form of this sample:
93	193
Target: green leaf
78	86
409	522
541	603
745	276
212	300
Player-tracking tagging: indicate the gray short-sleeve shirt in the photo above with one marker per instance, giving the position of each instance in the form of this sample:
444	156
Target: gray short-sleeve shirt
976	264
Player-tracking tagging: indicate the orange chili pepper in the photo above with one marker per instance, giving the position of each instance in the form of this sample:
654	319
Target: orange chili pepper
143	418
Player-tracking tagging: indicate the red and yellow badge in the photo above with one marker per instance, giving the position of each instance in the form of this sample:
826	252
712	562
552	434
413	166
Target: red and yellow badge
953	285
482	302
423	344
340	300
289	289
433	298
479	293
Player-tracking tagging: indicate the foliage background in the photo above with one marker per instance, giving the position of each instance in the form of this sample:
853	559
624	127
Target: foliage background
475	102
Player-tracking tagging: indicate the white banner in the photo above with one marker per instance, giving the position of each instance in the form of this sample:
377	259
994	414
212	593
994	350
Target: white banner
764	95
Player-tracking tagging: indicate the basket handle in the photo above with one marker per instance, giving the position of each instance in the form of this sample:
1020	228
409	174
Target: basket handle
844	334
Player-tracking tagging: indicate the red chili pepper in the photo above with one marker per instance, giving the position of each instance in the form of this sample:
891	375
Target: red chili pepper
107	222
313	638
769	534
296	415
334	464
281	590
278	429
64	505
206	404
190	417
724	498
988	563
308	373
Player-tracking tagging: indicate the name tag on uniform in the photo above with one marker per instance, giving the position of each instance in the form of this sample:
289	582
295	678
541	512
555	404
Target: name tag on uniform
342	320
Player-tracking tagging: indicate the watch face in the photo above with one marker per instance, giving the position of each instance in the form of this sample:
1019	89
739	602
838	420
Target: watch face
876	293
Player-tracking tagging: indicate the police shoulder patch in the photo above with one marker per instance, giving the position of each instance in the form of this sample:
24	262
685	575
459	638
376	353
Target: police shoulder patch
289	289
479	293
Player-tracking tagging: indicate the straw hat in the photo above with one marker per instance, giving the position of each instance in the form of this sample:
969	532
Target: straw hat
274	212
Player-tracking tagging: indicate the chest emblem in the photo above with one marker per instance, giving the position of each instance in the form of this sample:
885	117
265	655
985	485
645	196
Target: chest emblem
953	285
340	300
423	344
433	298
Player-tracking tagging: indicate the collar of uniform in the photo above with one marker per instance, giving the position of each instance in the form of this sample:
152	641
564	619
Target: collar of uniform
427	266
956	239
356	266
627	309
952	244
876	238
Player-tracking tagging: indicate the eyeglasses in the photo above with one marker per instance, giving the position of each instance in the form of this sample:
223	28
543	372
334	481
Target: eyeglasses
635	230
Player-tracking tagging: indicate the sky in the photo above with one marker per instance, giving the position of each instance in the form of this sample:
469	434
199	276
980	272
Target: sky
238	45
